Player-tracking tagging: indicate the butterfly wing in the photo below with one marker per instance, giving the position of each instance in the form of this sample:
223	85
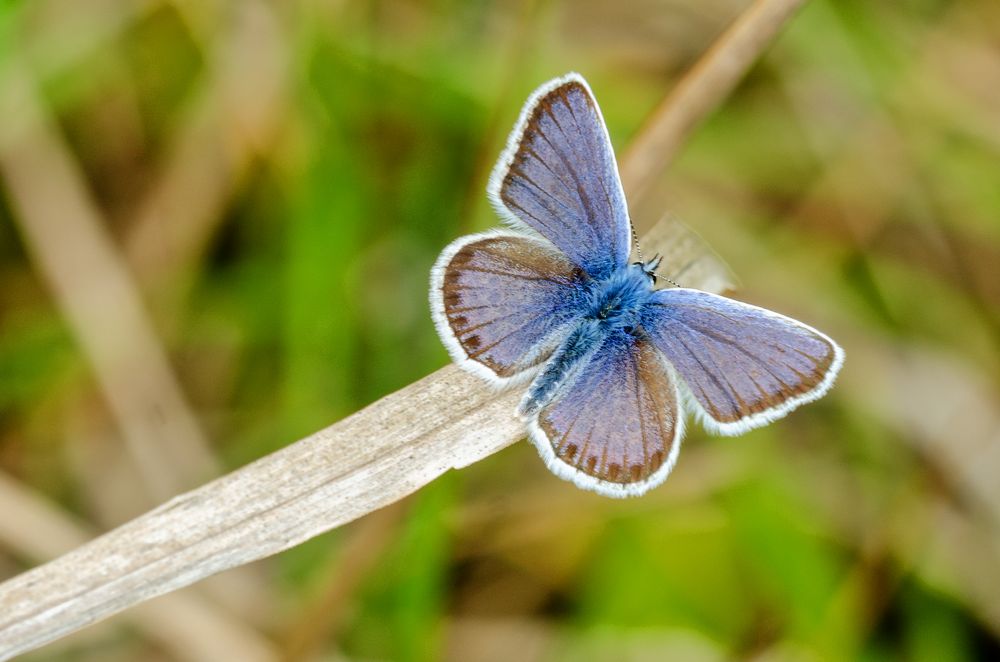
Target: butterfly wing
615	427
502	301
742	366
558	176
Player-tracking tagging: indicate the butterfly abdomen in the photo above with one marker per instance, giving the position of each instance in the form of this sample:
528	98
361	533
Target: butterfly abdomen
613	306
579	345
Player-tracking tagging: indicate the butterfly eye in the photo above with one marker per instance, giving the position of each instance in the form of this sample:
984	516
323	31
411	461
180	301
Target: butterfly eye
648	268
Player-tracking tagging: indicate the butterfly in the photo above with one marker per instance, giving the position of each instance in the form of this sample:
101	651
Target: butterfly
611	361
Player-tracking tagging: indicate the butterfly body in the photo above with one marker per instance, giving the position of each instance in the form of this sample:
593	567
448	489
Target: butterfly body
612	361
611	308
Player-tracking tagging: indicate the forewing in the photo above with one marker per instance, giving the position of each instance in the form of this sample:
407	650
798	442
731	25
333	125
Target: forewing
501	302
743	366
559	177
616	427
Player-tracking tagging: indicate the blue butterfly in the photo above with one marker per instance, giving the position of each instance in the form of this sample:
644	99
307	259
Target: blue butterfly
612	361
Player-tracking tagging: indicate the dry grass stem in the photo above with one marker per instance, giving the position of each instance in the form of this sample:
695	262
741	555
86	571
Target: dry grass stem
700	91
184	623
66	235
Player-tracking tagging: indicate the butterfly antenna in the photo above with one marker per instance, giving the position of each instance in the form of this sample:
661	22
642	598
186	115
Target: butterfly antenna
635	241
653	265
638	252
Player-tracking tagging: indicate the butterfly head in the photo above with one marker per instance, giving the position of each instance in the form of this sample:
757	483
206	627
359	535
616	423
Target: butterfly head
650	266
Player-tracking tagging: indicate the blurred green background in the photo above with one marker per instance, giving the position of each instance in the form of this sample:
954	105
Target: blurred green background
216	225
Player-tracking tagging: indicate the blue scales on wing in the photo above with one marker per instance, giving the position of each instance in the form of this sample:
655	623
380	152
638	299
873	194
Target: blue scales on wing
743	366
616	425
504	300
559	177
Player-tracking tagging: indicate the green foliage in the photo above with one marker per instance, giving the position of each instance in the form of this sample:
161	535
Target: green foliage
403	612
